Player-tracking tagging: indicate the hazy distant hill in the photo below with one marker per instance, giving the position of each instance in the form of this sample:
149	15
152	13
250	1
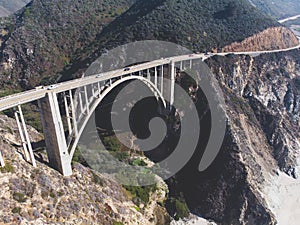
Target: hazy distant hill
8	7
278	8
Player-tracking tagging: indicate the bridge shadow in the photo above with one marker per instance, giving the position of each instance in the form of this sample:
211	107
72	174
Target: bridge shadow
39	150
189	185
140	114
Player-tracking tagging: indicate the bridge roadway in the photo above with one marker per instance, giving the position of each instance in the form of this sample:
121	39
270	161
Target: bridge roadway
40	92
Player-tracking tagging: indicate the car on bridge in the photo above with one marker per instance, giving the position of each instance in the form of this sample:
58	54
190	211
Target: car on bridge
126	69
51	87
39	87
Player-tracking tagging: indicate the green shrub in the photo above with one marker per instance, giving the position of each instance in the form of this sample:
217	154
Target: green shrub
141	194
52	194
118	223
19	197
7	92
138	162
8	168
181	208
77	157
121	156
137	208
27	12
111	143
8	129
16	210
97	179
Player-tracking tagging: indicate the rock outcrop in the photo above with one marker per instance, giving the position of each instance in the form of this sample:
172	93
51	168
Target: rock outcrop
269	83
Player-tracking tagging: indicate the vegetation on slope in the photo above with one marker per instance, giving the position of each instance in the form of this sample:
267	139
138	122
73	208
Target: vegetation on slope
198	25
41	39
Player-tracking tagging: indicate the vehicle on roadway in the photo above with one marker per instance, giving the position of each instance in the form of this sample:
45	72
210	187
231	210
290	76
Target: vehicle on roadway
39	87
127	69
51	87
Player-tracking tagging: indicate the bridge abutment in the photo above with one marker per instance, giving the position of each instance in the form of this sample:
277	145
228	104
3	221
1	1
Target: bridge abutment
56	145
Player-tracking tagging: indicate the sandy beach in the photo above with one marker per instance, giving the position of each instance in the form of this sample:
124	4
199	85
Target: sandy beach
283	198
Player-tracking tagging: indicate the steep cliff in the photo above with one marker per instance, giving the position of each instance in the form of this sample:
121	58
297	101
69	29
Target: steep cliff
262	106
269	83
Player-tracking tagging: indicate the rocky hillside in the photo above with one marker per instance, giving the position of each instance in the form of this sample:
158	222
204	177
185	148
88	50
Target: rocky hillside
269	84
48	40
42	196
7	7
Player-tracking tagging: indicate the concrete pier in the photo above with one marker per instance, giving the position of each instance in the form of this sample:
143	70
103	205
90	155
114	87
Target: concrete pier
55	139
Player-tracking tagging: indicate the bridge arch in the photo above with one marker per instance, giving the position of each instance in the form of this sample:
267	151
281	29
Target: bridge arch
102	95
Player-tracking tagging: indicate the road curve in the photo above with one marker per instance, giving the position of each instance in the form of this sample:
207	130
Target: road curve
289	18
